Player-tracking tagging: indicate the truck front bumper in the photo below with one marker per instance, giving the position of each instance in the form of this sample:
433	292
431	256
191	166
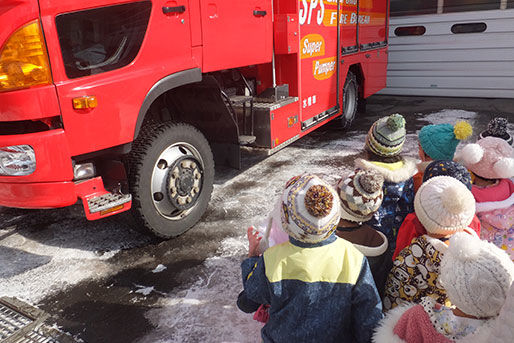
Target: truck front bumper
37	195
50	185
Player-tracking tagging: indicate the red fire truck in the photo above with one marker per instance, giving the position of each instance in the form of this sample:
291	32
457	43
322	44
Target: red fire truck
126	104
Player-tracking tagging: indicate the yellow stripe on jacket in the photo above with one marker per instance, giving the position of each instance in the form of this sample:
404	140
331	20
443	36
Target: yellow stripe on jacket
336	262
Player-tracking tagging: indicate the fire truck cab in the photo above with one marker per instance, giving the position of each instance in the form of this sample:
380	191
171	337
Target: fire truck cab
126	104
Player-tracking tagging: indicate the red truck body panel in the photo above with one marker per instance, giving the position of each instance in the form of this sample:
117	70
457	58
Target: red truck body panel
296	41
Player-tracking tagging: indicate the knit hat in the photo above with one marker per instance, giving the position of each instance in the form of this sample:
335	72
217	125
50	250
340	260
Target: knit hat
497	127
310	209
448	168
489	158
360	194
387	135
440	141
476	275
444	205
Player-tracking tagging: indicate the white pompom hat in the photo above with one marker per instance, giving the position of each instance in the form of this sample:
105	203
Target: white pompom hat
489	157
444	205
476	275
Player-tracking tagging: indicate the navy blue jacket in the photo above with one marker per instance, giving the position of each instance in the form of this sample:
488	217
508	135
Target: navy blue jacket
321	292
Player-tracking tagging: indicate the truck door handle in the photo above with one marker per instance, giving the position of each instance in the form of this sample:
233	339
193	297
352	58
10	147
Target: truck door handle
258	13
173	9
367	56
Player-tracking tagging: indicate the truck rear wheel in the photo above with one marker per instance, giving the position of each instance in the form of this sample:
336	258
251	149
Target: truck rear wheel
350	99
171	174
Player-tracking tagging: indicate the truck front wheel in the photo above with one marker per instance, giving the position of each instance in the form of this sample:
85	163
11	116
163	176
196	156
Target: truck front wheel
171	174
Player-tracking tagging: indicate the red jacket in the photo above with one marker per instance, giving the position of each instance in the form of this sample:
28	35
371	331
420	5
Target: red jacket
412	228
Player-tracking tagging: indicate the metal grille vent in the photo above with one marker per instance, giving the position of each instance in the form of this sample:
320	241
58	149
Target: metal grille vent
11	322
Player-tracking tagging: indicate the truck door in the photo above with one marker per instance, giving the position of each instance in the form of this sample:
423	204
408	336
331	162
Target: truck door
372	37
112	52
236	33
318	59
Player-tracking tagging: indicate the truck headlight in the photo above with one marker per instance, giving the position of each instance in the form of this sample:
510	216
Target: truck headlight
17	160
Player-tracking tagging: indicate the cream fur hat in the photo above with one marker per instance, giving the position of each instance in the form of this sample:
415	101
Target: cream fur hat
310	209
444	205
476	275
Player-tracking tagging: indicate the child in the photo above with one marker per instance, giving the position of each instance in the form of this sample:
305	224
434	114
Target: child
444	206
497	127
477	277
411	226
384	144
319	287
438	142
361	195
491	162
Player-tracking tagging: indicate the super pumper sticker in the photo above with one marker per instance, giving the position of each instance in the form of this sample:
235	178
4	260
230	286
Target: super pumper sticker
312	45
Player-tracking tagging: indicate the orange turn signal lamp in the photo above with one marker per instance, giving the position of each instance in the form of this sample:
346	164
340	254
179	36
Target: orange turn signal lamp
24	59
85	102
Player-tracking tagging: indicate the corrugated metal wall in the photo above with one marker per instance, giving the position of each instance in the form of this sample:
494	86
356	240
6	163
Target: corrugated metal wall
442	63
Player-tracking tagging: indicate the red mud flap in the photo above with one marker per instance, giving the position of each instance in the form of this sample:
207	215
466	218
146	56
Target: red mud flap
99	203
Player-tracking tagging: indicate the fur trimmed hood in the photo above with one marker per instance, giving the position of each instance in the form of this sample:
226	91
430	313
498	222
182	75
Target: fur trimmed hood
407	171
384	331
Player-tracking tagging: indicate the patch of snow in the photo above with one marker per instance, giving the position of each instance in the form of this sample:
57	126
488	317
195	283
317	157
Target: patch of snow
38	261
144	290
207	310
159	268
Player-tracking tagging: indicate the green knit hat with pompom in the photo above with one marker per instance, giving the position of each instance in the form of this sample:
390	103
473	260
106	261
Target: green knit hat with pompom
387	135
440	141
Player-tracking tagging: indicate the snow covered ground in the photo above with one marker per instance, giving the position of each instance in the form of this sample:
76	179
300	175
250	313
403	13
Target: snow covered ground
184	289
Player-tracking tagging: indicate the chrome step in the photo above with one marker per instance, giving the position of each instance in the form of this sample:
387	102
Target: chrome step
106	201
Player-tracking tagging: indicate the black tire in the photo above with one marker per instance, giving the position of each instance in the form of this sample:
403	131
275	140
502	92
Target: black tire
157	188
350	100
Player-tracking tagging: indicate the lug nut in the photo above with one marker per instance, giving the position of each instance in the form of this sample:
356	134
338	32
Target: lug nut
189	199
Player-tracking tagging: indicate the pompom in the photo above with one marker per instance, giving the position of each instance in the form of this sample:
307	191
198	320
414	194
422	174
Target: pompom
395	121
462	130
464	246
371	181
471	154
454	201
504	168
497	127
319	201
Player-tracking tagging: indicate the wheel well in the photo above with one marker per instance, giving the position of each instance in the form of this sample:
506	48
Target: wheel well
201	105
357	70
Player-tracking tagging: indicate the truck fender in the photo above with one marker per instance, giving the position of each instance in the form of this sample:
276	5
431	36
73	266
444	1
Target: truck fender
163	85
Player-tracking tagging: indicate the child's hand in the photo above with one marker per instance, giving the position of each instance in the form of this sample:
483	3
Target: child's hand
254	238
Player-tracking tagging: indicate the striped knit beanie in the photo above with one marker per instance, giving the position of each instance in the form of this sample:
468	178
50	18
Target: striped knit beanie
310	209
360	194
386	136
